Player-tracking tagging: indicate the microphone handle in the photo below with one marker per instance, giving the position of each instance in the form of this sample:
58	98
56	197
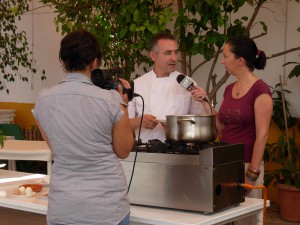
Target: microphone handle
191	87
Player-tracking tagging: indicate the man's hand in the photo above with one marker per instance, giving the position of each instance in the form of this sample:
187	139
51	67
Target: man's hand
149	121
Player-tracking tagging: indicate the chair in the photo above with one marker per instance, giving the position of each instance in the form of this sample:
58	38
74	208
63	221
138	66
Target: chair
12	130
15	131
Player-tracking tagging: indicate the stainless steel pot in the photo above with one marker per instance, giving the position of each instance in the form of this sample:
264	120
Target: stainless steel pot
191	128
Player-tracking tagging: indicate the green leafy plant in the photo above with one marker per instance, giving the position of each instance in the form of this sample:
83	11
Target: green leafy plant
124	29
14	50
284	152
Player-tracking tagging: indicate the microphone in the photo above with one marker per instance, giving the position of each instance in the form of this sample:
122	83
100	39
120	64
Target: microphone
188	84
185	82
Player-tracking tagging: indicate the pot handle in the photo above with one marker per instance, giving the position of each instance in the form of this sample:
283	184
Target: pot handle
186	120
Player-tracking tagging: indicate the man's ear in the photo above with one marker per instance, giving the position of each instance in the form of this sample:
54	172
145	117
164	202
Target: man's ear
152	56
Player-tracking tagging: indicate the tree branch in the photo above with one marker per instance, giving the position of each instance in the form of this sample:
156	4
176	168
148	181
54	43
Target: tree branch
197	67
251	21
283	53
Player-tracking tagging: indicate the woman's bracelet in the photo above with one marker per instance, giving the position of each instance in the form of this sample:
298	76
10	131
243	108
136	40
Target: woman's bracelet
251	178
251	175
251	168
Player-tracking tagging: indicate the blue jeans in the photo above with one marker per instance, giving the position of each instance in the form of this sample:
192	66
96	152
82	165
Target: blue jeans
125	221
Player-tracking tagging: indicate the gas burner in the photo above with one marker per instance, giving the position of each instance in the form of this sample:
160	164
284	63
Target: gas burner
157	146
193	177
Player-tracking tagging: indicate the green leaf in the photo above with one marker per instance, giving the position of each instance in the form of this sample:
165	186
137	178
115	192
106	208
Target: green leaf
124	31
136	15
295	72
268	178
265	28
132	27
250	2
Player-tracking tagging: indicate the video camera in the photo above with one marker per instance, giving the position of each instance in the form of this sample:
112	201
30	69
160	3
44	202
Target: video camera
109	79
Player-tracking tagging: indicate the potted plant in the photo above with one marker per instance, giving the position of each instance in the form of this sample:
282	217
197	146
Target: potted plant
285	154
2	138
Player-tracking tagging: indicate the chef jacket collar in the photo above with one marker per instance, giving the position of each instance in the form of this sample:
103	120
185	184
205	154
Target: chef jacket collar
170	74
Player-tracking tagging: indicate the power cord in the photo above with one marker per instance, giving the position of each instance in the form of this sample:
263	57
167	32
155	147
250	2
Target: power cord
138	142
264	195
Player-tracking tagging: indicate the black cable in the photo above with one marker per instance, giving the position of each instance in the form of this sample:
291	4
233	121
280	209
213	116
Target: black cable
138	141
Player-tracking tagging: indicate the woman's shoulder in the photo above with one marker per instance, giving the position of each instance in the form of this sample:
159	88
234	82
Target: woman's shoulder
261	87
260	84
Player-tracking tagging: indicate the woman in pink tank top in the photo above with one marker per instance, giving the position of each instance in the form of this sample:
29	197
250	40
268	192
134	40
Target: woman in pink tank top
246	110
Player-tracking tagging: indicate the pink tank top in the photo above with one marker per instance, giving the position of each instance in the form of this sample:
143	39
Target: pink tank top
238	116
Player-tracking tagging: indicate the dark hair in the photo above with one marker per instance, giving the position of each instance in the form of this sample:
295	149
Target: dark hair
159	36
245	47
78	49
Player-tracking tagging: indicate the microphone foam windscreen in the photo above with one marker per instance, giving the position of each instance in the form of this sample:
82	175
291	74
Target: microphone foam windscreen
184	81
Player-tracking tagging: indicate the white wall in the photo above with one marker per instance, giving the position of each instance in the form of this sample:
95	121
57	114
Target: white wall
281	20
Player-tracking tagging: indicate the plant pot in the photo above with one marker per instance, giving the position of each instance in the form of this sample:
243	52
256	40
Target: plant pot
289	202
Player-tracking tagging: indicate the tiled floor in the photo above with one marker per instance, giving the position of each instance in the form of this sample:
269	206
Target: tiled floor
16	217
273	217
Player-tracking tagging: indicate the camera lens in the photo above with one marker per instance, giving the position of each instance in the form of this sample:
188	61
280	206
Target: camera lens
97	77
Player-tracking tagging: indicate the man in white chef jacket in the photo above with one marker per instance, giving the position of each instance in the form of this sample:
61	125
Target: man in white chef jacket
161	92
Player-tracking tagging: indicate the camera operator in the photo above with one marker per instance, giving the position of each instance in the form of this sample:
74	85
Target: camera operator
87	129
